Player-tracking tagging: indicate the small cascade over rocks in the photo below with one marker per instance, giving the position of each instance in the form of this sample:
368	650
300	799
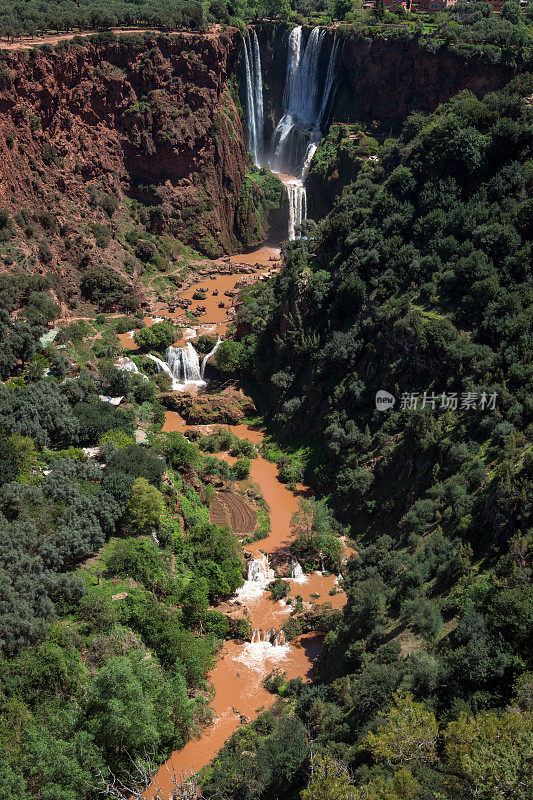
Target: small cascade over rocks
272	636
128	365
259	576
164	367
254	98
297	573
206	358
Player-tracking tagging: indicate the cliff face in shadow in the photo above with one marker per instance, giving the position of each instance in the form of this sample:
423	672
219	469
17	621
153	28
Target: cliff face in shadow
384	79
381	81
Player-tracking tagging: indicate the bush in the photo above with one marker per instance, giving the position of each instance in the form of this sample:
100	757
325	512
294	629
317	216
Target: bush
101	233
241	468
110	204
102	286
157	337
279	589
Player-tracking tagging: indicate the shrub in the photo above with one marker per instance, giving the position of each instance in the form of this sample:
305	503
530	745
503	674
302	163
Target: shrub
101	233
102	286
279	589
241	468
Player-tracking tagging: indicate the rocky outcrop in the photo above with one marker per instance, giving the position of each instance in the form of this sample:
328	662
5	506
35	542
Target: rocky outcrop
227	407
103	138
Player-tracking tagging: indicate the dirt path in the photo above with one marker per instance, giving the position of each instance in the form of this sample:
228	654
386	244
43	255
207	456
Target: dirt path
27	42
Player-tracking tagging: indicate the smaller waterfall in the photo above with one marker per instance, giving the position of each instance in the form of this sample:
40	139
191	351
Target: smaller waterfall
206	358
297	206
254	98
259	570
128	365
163	367
184	363
297	573
271	636
259	576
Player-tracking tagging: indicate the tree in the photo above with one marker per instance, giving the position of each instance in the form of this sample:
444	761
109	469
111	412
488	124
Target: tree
120	708
156	337
145	507
492	752
113	440
241	468
408	733
230	356
330	780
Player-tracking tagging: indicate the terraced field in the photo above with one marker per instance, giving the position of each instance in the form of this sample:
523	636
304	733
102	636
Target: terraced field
228	508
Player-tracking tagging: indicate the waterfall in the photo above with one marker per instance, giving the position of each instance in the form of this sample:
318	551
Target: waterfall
165	368
182	365
271	636
259	570
297	205
306	105
128	365
297	573
259	576
254	98
206	358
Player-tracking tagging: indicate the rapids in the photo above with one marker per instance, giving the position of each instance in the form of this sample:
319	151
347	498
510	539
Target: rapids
241	667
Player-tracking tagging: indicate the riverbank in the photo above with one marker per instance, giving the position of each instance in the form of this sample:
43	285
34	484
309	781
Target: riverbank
237	679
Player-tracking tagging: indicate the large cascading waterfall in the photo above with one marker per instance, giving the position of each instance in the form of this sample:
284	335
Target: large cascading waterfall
254	98
306	106
307	100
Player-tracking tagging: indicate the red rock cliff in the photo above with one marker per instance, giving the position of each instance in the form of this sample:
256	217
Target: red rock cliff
384	79
145	118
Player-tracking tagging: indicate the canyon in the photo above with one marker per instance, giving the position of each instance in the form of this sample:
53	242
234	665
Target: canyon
104	139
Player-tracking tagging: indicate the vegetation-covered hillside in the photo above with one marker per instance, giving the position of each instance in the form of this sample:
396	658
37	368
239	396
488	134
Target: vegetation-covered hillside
109	566
415	284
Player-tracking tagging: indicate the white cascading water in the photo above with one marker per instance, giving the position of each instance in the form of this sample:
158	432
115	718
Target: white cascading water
306	108
259	576
206	358
163	367
128	365
297	573
254	97
297	205
182	365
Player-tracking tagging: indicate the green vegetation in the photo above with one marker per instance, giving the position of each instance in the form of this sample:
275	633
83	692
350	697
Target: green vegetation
109	573
414	284
157	337
260	206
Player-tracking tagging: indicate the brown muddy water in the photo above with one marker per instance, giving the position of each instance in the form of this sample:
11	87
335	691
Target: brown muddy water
241	667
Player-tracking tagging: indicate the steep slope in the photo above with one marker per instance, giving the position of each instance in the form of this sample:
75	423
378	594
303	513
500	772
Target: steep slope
101	138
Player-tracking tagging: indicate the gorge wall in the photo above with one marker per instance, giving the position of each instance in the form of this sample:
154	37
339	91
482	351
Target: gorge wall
91	127
384	79
105	142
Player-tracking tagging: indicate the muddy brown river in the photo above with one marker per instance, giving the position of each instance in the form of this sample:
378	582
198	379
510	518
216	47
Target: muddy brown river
241	667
